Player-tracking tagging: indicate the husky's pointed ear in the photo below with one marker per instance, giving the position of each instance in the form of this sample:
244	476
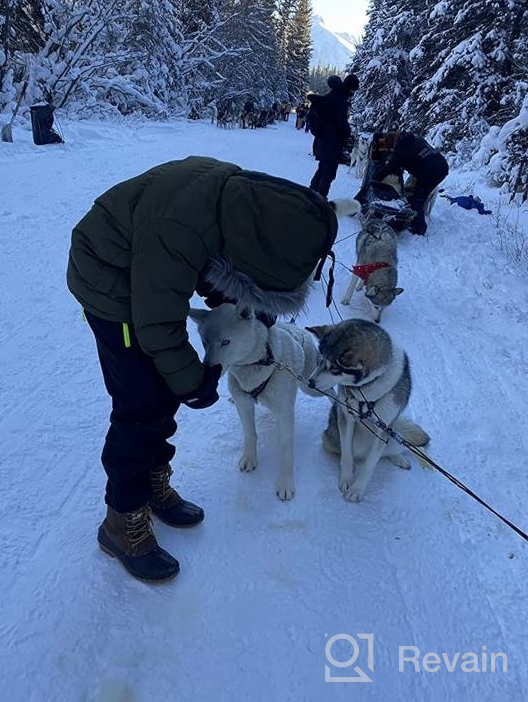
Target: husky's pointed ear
398	291
198	315
343	207
371	291
319	332
244	312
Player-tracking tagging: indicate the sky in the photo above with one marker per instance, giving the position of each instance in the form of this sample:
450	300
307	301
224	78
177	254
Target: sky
343	15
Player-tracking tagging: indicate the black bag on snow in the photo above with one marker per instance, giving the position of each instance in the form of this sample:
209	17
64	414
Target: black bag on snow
42	125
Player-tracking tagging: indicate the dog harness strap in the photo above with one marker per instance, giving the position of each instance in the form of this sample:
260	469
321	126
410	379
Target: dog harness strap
365	408
268	360
319	272
259	389
331	279
365	270
366	413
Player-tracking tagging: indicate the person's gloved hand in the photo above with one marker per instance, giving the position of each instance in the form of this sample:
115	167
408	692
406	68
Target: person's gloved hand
206	395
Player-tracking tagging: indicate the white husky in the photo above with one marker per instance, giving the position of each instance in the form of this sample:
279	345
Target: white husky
248	350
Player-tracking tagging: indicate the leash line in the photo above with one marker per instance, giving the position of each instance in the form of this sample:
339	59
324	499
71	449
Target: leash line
374	418
424	457
339	241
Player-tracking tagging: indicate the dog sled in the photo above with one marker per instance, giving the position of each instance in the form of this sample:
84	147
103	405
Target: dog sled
388	199
384	199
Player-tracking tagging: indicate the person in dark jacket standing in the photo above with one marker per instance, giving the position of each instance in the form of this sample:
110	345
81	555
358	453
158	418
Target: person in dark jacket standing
136	258
426	164
328	119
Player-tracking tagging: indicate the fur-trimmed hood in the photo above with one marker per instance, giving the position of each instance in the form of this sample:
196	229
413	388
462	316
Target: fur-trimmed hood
274	233
234	285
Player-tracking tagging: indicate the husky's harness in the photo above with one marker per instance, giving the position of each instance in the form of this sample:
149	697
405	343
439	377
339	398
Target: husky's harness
268	360
365	408
364	271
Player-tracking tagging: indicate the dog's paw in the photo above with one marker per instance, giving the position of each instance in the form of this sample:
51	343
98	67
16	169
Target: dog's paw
285	489
247	463
355	494
345	301
400	461
346	482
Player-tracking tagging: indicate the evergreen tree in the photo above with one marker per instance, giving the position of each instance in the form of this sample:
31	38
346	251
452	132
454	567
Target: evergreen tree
293	27
383	62
463	71
454	70
154	57
299	50
319	76
254	73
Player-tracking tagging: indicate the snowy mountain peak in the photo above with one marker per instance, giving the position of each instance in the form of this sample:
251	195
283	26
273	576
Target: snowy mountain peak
330	48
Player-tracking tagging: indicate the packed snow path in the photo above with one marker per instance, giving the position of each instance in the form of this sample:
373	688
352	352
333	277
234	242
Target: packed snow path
263	584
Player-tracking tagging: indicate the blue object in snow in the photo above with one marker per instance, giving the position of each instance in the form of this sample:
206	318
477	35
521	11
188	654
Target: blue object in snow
468	202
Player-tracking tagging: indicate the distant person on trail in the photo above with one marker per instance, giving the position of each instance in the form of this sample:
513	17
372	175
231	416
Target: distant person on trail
328	119
136	259
425	163
300	116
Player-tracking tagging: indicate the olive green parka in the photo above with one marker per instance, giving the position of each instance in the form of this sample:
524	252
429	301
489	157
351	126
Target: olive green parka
196	225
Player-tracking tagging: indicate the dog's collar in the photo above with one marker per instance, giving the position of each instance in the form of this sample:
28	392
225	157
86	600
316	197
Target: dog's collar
364	271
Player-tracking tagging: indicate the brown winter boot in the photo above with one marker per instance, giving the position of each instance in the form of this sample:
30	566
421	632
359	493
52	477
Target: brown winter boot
130	538
167	504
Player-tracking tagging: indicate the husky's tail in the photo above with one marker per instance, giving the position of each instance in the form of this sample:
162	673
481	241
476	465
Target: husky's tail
344	207
331	441
403	426
415	435
411	432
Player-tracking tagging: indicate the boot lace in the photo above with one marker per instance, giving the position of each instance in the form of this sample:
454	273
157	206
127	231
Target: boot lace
161	484
138	527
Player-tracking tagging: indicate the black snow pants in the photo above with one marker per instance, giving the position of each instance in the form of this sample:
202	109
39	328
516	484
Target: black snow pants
328	152
324	176
435	169
142	417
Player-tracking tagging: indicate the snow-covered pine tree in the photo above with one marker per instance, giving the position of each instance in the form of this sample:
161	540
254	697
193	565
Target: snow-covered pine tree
463	78
383	64
154	57
254	73
284	11
6	51
319	76
148	79
21	33
299	50
293	26
71	54
505	148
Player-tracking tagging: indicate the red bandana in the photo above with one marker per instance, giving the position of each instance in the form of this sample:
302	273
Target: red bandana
364	271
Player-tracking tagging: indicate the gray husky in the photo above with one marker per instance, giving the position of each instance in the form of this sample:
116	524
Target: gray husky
371	372
247	349
376	267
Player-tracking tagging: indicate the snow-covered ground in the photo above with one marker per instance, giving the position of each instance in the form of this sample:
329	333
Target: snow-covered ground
263	584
